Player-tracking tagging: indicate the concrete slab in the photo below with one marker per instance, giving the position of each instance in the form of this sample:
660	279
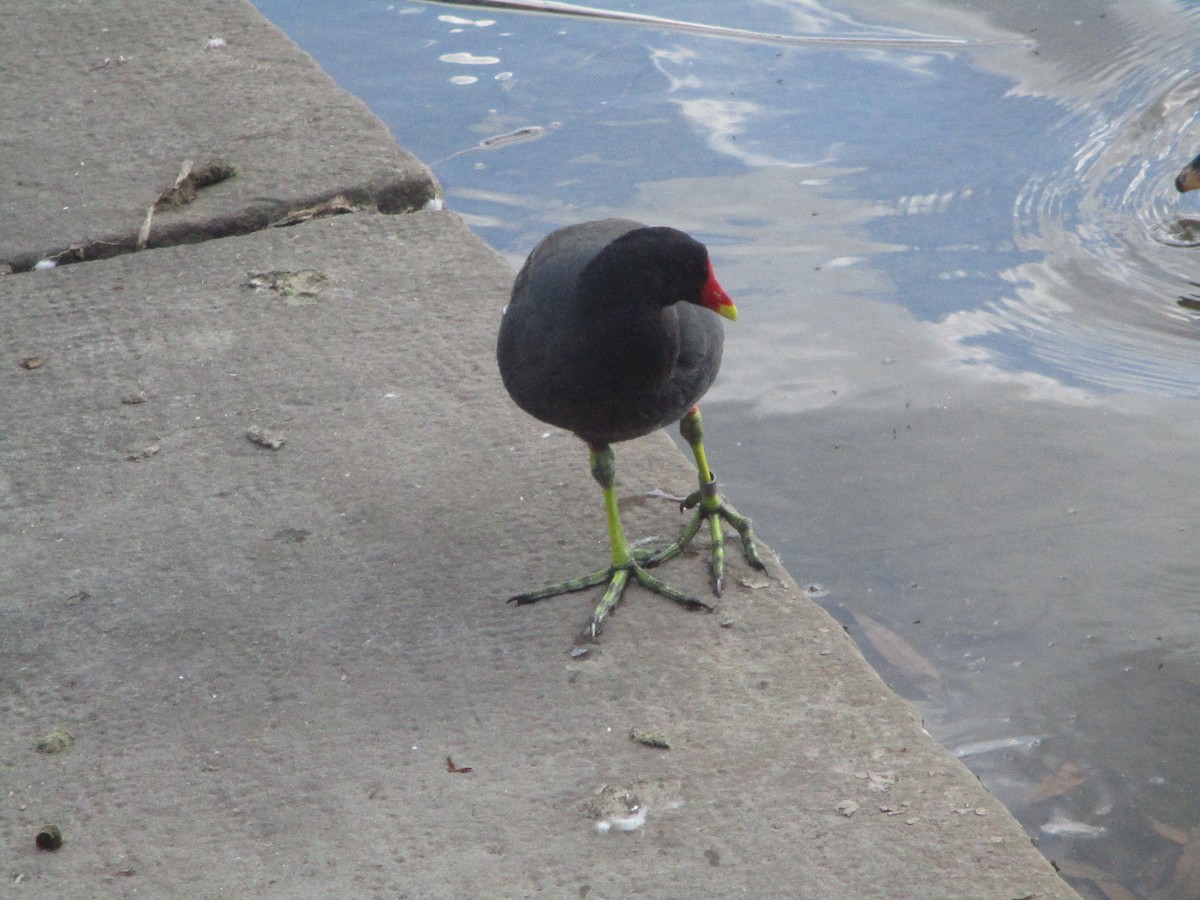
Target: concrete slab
107	102
274	665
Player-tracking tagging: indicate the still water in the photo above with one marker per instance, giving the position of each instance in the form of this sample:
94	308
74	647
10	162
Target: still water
963	400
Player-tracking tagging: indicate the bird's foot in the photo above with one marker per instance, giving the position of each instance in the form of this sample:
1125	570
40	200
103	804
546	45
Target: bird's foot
617	578
709	505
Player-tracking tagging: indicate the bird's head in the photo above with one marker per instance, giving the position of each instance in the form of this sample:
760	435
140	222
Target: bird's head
1188	178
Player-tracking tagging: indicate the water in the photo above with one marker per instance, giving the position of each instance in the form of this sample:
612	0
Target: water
962	397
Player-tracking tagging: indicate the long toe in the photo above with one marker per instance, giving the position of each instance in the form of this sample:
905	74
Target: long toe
563	587
746	532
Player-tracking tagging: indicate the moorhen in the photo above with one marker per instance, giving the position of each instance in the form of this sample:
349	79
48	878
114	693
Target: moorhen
1188	178
612	333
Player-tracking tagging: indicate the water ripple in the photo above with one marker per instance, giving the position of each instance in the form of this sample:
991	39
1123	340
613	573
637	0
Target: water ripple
1111	299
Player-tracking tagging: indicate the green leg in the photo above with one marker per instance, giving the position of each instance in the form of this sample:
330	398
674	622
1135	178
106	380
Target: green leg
624	559
708	505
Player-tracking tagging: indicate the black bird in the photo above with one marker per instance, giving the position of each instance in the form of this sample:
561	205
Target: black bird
1188	178
612	333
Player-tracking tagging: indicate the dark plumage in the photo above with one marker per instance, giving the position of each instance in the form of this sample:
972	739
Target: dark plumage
607	335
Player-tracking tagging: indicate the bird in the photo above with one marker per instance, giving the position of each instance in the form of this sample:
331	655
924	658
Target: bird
612	332
1188	178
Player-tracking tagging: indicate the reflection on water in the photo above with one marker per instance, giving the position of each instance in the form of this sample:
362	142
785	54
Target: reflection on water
962	396
1096	301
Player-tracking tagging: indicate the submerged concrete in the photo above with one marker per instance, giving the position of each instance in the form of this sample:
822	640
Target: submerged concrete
264	495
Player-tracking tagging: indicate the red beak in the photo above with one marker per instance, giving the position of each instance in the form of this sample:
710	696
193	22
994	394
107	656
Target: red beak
714	297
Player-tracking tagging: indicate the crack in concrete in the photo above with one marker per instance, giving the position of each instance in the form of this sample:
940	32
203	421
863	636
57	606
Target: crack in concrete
391	198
